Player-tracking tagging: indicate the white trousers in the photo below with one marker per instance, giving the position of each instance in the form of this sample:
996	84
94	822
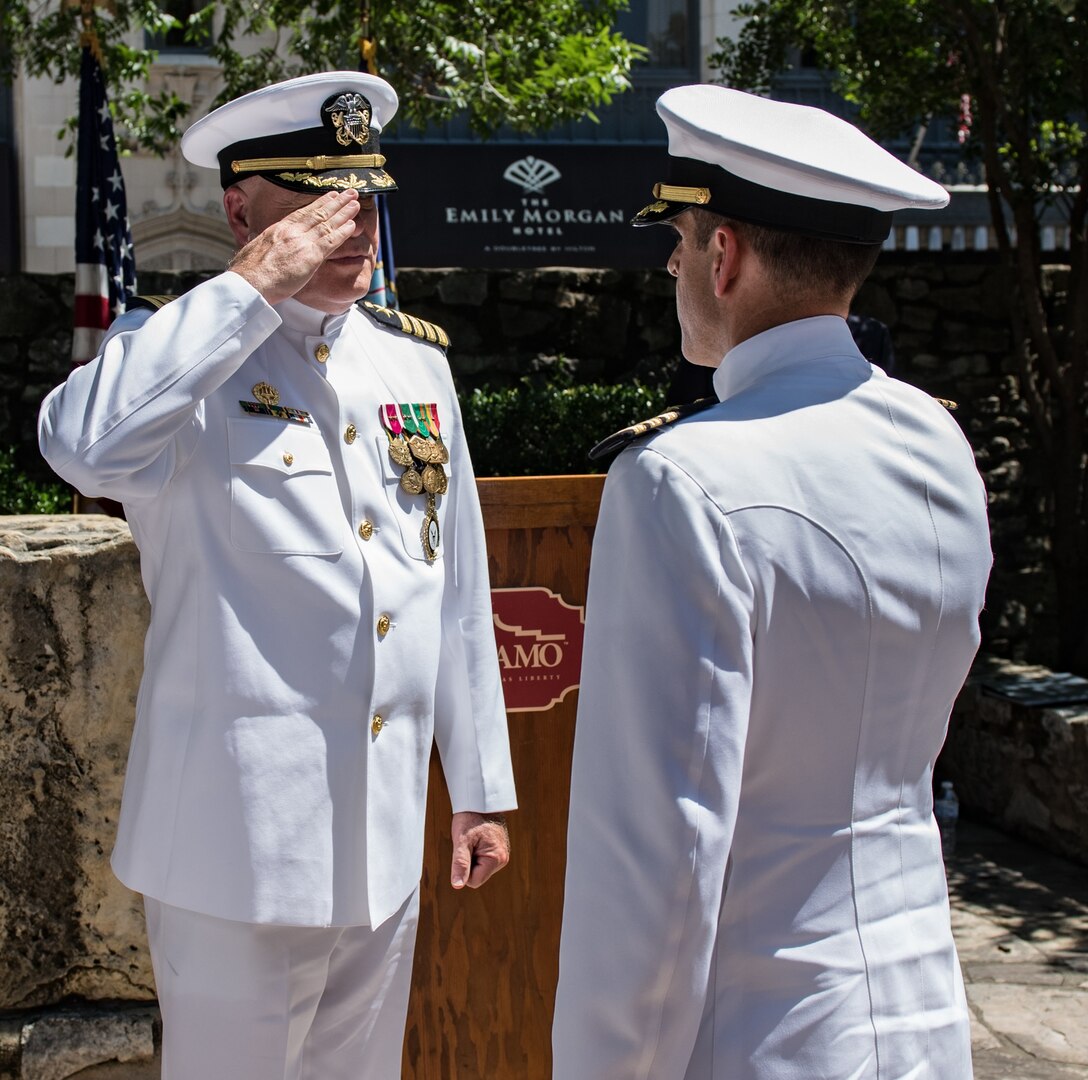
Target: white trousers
241	1001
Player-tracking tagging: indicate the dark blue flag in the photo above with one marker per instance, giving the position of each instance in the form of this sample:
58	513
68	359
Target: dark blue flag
105	266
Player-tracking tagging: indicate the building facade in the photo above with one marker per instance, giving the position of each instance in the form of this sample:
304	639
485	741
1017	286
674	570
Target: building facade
558	198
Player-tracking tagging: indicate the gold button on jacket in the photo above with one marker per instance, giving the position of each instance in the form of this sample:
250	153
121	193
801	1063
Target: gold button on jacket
321	353
288	457
376	724
350	433
384	623
366	530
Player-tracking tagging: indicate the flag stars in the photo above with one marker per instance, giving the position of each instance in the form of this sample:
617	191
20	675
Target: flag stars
99	240
104	113
115	180
104	141
111	211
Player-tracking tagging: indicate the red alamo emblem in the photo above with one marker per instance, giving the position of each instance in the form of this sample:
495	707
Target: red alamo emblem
539	636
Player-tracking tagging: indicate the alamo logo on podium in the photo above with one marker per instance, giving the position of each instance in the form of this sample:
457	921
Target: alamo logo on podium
539	638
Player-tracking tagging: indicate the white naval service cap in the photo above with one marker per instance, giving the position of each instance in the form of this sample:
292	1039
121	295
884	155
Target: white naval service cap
312	134
782	165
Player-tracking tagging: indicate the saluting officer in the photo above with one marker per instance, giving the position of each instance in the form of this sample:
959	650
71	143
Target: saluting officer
783	604
294	470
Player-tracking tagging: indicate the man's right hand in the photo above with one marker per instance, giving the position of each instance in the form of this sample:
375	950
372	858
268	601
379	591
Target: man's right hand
279	261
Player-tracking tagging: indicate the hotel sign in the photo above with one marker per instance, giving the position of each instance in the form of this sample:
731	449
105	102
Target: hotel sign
519	205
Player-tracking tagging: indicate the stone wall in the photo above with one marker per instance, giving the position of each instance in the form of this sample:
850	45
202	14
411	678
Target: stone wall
1018	764
945	312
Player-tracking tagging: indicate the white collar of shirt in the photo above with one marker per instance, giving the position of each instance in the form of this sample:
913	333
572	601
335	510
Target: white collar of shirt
798	342
302	323
309	320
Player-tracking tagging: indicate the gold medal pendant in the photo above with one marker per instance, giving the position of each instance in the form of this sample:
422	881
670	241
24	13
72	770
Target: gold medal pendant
430	534
420	447
443	456
443	483
411	482
398	450
431	481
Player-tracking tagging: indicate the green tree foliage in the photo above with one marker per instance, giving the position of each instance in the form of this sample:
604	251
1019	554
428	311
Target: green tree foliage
19	494
527	65
1014	75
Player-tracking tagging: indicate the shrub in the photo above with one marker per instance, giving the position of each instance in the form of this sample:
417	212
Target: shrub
19	494
544	429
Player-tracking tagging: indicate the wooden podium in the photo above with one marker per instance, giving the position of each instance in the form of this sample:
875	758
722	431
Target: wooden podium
487	960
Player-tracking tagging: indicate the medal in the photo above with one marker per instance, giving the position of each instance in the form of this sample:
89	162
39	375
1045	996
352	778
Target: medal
411	482
421	448
415	443
430	534
398	450
431	481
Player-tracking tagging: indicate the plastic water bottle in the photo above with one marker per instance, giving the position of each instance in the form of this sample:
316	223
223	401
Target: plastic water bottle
946	810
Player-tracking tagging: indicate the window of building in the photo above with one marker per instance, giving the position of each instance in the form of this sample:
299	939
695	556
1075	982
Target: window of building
174	41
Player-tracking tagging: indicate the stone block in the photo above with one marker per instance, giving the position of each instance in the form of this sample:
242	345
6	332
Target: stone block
71	645
1021	764
58	1046
30	303
917	317
463	287
911	288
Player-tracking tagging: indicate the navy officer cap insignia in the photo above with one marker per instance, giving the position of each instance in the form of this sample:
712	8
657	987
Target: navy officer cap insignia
781	165
635	431
313	134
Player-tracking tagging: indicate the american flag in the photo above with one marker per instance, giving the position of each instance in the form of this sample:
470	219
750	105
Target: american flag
105	267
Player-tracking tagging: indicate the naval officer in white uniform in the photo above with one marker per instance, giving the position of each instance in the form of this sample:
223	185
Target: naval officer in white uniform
294	470
783	603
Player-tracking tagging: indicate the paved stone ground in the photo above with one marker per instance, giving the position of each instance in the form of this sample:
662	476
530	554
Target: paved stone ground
1020	917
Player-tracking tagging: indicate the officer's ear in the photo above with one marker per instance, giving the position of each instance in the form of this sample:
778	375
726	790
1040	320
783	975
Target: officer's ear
236	205
726	248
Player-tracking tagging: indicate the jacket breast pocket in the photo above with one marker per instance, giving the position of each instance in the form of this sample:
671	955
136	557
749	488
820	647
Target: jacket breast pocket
410	510
283	496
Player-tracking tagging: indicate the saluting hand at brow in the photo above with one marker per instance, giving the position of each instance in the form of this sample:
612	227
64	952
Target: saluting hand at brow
282	259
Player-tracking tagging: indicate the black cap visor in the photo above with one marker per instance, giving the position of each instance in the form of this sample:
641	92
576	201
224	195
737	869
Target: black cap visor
698	184
307	161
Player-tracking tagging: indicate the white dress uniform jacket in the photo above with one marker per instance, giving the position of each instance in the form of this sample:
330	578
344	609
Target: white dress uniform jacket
260	787
783	604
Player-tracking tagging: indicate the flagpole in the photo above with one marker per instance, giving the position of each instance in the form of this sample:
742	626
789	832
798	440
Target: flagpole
383	285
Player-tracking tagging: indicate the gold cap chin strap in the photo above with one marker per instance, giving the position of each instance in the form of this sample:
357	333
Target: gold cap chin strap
314	164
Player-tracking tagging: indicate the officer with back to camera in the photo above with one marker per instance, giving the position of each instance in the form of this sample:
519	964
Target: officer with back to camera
783	604
294	470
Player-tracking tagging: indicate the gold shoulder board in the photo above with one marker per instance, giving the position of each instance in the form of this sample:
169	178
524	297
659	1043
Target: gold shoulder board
150	303
628	434
408	324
